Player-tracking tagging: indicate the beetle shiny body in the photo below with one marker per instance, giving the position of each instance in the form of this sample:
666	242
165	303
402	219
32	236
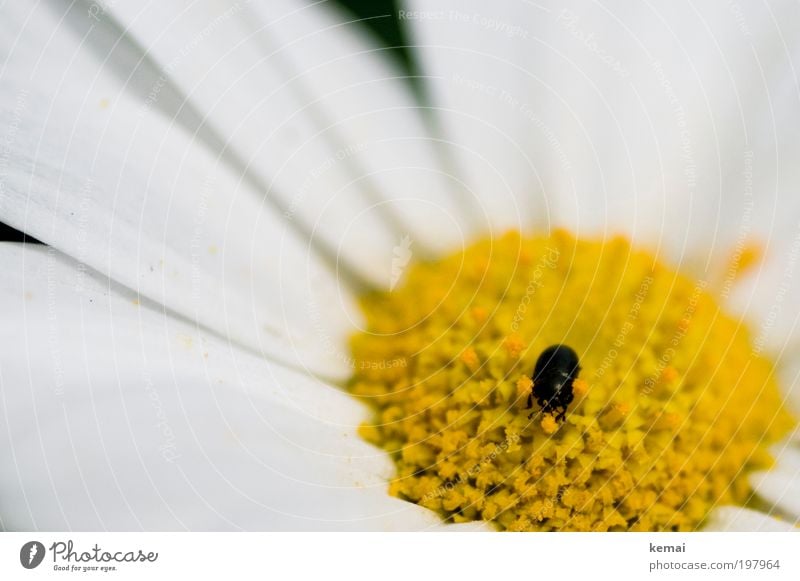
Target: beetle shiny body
555	371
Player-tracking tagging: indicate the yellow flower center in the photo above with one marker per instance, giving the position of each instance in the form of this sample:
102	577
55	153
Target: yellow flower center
672	405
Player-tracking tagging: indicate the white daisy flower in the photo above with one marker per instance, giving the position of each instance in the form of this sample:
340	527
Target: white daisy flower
217	183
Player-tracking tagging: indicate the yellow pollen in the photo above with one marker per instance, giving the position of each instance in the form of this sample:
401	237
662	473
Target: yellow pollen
480	314
622	409
524	386
580	387
669	374
673	406
470	359
744	259
514	345
549	424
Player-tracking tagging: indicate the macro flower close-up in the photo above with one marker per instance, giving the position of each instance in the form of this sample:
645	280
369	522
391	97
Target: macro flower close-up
516	266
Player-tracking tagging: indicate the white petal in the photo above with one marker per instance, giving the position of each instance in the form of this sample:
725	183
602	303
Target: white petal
353	87
781	484
736	519
127	193
475	526
323	144
765	206
670	123
789	377
770	296
43	47
115	416
475	57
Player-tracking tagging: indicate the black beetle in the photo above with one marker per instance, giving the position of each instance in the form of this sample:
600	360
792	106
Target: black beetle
555	371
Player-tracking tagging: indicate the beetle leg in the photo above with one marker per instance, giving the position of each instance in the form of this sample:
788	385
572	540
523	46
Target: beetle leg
530	401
